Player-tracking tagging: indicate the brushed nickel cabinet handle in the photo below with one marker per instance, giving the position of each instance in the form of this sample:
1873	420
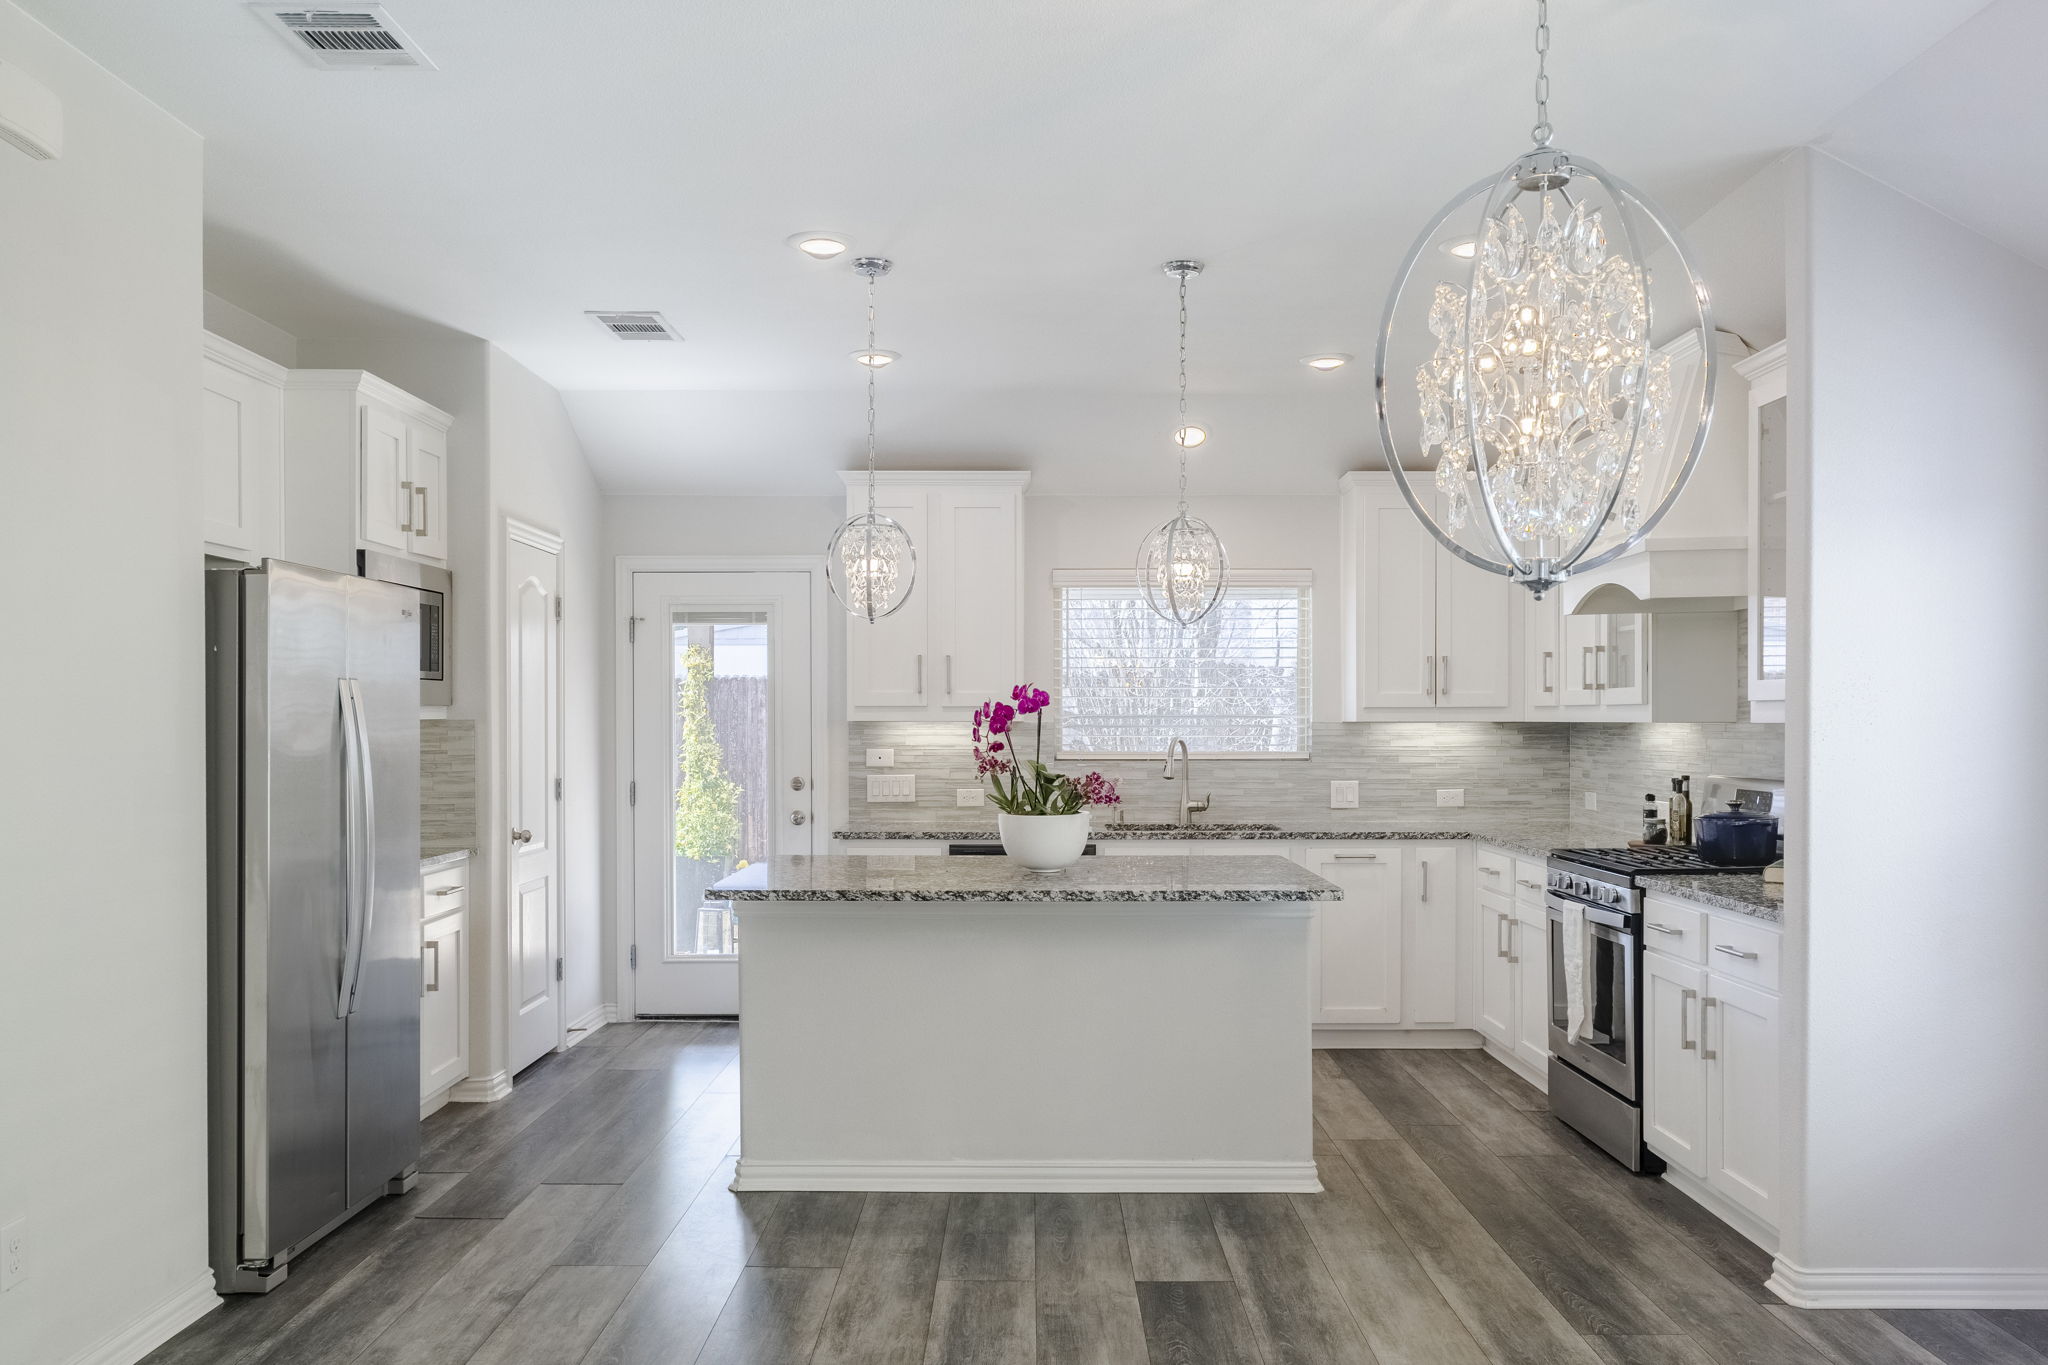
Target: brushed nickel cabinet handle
1429	688
1707	1054
949	675
1443	675
1686	1043
1424	865
405	487
1549	658
1513	924
421	489
1524	881
447	890
1354	857
1491	871
1586	683
1732	952
434	947
1601	671
1667	929
920	675
1500	924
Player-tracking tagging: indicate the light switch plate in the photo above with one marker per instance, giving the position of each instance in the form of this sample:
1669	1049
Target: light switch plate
967	796
1450	796
1592	800
1344	796
892	786
881	758
13	1253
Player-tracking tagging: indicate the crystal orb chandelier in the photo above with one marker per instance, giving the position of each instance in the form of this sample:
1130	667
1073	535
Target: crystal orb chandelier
1182	567
1550	397
870	562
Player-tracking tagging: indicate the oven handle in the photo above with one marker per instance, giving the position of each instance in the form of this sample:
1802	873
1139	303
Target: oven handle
1598	915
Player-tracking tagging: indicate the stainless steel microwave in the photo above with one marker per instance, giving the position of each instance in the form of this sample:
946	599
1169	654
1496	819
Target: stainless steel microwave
437	594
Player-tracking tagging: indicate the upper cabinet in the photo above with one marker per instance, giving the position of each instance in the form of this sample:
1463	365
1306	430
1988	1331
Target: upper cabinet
366	467
1427	636
1765	372
958	639
241	418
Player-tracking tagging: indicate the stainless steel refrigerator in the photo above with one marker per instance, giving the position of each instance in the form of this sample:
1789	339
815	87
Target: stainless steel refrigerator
313	868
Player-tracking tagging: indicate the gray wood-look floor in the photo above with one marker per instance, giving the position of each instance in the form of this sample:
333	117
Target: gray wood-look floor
585	1219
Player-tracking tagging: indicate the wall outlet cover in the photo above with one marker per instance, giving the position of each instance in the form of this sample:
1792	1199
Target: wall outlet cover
1450	796
1592	800
13	1253
892	786
967	796
1344	796
881	758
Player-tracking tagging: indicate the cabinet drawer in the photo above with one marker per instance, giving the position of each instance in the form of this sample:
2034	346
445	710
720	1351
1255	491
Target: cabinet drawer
1744	950
1496	871
447	889
1530	880
1677	931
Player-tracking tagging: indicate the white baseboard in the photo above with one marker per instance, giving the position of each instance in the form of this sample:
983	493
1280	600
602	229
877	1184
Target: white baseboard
1804	1288
1723	1208
131	1343
436	1102
481	1089
1378	1035
591	1021
1539	1079
1040	1177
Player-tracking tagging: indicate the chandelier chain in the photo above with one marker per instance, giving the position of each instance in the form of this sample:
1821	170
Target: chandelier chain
1541	132
1180	432
871	397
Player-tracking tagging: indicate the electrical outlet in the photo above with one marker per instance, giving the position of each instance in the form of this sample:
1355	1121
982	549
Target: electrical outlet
1343	796
967	796
892	787
1450	796
1592	800
881	758
13	1253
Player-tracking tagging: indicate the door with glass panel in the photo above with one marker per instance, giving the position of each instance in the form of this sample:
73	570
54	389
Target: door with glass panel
723	754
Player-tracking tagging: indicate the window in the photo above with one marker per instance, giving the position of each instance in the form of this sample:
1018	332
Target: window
1236	683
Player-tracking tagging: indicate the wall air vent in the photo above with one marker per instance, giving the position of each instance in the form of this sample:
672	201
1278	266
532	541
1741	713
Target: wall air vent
636	326
352	39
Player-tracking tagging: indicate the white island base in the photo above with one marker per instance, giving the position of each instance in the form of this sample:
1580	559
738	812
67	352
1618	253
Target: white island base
959	1045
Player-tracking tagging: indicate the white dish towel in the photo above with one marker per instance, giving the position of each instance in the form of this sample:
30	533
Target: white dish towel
1573	949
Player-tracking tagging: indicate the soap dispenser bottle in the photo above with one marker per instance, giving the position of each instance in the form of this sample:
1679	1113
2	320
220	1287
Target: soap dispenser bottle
1680	821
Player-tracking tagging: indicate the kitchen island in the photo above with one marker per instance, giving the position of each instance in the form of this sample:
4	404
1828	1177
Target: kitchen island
1133	1024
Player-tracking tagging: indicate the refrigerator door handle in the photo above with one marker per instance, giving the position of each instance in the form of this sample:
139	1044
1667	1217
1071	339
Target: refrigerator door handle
366	785
358	847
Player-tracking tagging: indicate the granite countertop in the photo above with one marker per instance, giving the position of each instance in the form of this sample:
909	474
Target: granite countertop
1247	878
1745	893
436	861
1531	838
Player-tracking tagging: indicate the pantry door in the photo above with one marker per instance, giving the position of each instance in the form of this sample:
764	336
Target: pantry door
725	769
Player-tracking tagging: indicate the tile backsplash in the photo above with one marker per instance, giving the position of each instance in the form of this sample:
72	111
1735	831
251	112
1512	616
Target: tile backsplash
447	786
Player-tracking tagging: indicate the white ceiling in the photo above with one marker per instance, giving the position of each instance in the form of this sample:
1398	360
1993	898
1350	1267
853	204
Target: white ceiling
1028	166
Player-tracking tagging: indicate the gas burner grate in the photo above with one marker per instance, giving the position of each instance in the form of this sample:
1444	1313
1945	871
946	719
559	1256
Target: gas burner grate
1643	861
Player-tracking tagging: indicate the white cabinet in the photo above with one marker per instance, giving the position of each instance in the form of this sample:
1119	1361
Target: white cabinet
1529	956
365	467
1424	631
1768	546
958	640
1710	1101
444	984
1512	932
1355	961
1624	667
1431	907
241	424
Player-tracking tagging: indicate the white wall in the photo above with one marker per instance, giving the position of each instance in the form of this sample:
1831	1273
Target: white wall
1918	1049
103	921
1739	247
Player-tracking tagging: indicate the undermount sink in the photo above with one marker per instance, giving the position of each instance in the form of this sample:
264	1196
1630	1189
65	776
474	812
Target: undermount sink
1213	828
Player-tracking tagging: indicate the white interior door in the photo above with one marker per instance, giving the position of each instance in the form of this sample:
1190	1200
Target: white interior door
533	740
724	771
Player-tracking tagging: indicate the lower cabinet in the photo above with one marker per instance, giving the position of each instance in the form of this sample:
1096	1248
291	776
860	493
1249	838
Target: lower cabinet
1513	932
1388	953
444	986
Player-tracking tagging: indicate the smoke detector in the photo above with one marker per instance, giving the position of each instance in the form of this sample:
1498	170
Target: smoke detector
636	326
352	39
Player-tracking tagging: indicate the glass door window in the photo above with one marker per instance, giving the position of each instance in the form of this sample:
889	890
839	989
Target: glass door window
719	788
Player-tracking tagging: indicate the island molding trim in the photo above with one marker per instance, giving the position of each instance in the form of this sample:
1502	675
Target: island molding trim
1031	1177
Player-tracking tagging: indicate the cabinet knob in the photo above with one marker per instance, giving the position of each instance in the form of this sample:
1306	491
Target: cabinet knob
522	836
797	817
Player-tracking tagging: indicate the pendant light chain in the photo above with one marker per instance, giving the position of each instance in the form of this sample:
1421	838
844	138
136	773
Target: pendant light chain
871	396
1180	432
1541	132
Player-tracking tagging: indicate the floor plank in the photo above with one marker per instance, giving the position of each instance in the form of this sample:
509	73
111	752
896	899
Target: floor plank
772	1317
1297	1315
1504	1129
1854	1336
452	1319
1172	1238
1087	1299
810	1229
658	1047
1091	1325
1406	1320
559	1317
1651	1351
983	1322
2029	1325
1592	1290
639	1216
502	1181
1196	1323
1392	1089
610	1154
1962	1337
462	1136
881	1310
1341	1108
988	1237
1506	1314
1502	1080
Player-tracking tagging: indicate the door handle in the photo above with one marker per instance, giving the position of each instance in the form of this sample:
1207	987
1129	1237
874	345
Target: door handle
1354	857
522	836
1685	1043
949	675
1524	881
1707	1054
1732	952
1600	668
1443	675
359	846
405	489
1586	683
1549	658
351	841
433	947
421	489
797	817
1667	929
920	675
1429	661
1513	924
1490	871
1424	865
1500	945
446	890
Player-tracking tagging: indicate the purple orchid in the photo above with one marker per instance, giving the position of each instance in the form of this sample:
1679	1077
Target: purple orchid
1097	790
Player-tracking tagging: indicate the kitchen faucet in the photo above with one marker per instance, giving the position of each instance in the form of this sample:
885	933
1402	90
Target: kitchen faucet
1189	808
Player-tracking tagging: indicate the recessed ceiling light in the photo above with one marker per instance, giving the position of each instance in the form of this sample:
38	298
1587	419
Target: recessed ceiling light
1334	361
1190	436
875	360
1464	248
819	246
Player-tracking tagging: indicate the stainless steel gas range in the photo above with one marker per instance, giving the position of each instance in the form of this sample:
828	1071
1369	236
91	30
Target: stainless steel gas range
1596	1073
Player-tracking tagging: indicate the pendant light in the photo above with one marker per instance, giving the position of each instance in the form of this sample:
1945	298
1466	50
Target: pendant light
1182	568
870	561
1549	398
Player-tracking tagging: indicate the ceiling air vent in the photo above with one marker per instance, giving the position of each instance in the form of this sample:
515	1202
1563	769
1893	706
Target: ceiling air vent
636	326
352	39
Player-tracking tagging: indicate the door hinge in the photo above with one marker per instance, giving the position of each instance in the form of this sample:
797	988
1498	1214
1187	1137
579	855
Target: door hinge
633	957
558	969
558	789
632	793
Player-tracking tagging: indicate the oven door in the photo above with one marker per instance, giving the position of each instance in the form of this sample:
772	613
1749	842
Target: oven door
1605	1051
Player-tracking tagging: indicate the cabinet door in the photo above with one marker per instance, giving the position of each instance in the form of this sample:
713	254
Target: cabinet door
1475	635
975	602
1625	662
1496	1013
1740	1032
1674	1079
1397	606
1543	658
427	471
1430	990
444	1055
1580	659
1530	961
240	428
384	493
1355	943
888	663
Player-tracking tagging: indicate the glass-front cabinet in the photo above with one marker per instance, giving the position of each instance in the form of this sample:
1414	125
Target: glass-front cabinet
1768	434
